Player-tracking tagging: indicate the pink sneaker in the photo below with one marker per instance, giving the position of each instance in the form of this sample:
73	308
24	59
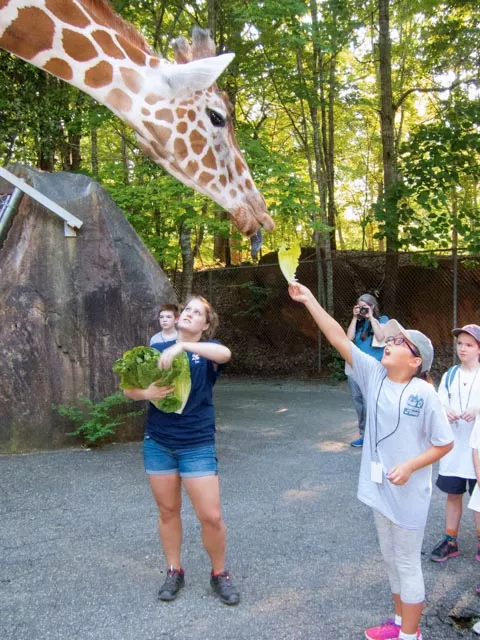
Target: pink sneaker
386	631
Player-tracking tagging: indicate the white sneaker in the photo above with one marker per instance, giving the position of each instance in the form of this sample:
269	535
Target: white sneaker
476	628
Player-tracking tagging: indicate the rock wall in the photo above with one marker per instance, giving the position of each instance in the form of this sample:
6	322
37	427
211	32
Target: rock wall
69	307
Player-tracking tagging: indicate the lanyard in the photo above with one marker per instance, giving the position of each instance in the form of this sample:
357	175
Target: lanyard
469	393
377	442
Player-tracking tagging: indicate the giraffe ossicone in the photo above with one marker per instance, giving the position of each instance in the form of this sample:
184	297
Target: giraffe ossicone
180	117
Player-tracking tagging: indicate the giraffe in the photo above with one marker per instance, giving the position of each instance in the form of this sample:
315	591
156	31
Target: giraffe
181	119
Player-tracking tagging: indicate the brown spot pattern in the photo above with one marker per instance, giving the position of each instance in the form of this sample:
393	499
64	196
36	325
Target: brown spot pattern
180	149
68	12
159	133
152	98
239	166
233	193
119	100
249	184
200	125
59	68
209	160
182	127
132	52
197	142
192	167
21	40
181	113
132	79
205	178
145	112
154	62
223	180
99	76
191	115
164	114
77	46
158	149
108	46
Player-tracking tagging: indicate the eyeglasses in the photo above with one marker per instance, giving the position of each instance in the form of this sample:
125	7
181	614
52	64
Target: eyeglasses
401	340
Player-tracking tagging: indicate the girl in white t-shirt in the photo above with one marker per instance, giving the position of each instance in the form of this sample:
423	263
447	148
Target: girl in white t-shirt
406	432
474	502
459	392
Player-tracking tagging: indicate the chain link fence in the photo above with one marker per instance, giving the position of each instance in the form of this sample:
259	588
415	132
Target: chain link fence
272	336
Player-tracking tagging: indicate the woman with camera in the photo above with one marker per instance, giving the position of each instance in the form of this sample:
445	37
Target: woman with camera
366	332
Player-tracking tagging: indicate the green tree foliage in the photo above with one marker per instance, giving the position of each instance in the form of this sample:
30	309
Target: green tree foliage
441	165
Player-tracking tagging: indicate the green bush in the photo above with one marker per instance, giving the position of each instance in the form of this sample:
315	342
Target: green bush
96	421
336	366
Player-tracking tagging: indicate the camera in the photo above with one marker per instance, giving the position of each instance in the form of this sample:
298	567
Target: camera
363	311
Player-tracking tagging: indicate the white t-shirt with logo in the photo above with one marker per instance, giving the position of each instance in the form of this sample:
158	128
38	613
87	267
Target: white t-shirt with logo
464	392
403	420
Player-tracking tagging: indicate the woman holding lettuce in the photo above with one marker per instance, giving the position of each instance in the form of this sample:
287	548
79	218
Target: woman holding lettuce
180	448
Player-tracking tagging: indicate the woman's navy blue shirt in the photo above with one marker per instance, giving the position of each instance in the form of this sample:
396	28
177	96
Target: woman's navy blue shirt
195	426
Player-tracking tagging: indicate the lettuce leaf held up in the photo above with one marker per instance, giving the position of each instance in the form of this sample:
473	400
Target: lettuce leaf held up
288	260
138	368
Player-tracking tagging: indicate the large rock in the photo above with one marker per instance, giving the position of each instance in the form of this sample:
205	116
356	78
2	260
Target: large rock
69	307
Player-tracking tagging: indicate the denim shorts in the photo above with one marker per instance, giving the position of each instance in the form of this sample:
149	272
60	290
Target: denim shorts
193	462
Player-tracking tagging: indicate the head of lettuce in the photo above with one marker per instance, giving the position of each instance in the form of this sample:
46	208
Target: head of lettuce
138	368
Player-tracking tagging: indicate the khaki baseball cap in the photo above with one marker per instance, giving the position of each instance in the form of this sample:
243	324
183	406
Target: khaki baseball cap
417	338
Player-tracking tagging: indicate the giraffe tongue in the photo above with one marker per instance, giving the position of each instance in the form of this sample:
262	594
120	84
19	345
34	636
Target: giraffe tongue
256	243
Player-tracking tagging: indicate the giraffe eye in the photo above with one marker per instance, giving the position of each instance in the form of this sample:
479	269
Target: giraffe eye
216	118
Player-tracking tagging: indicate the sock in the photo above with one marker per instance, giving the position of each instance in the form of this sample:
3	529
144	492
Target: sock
407	636
451	534
398	620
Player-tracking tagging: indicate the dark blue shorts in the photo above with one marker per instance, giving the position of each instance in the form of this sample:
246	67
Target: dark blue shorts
455	485
193	462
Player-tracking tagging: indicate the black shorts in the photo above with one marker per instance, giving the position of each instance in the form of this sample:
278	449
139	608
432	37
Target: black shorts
455	485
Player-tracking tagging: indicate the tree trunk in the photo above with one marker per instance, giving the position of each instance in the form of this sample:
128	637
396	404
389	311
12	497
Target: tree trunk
126	178
387	115
320	164
187	261
94	151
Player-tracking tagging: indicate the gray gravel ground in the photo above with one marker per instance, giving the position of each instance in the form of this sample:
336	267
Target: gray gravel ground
80	557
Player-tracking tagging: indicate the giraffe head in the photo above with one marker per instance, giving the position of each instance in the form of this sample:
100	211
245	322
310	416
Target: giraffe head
183	122
188	130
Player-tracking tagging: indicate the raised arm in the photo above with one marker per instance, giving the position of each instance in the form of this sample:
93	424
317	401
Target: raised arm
327	325
213	351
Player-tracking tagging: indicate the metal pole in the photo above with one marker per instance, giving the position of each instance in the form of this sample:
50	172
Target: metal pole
455	271
7	213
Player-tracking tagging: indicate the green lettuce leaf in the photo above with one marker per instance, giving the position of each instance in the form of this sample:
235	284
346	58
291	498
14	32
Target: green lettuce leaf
138	368
288	260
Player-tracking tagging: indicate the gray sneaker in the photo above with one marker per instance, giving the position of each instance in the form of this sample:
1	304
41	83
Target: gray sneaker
223	587
174	581
445	549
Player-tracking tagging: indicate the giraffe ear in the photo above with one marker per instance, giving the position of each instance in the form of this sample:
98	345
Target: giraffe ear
185	79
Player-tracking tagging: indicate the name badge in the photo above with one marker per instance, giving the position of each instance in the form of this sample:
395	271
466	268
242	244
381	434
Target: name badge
376	472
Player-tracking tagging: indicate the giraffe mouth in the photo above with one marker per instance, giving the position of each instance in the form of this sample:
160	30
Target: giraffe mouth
249	221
